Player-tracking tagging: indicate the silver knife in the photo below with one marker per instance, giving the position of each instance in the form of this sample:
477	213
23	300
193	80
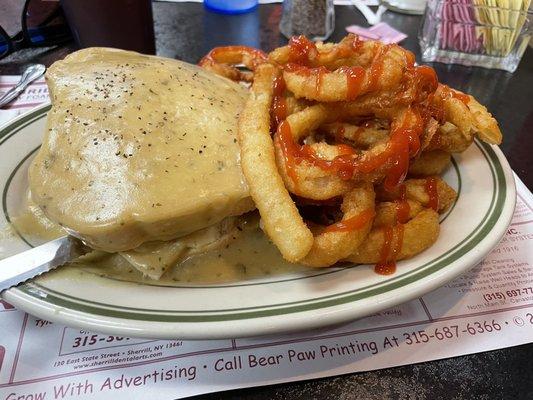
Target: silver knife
30	263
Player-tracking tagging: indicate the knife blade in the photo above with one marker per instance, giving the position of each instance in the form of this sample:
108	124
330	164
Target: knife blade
30	263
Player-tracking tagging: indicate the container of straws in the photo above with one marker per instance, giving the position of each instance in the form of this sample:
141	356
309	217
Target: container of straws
484	33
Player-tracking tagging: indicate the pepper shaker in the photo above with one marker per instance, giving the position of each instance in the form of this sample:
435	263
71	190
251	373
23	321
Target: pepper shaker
312	18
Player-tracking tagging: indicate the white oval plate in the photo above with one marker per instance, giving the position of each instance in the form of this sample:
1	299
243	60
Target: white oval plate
474	226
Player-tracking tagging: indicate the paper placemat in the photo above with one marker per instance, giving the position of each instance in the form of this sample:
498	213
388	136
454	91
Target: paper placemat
488	308
36	93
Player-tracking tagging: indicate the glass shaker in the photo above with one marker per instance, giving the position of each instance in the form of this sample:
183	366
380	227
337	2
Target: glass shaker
312	18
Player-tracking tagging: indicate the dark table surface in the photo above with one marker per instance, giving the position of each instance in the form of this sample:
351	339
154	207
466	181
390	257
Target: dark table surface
186	31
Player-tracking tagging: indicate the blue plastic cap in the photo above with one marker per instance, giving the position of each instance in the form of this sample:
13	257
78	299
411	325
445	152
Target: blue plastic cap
230	6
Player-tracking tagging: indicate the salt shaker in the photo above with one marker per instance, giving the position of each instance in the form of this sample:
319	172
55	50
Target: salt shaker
312	18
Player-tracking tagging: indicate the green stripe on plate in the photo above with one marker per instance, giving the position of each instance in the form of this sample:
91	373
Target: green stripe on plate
269	282
82	305
435	265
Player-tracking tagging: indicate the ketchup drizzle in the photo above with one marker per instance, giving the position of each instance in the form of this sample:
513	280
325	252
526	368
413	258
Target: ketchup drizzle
279	104
258	56
353	223
339	133
402	206
389	253
301	50
404	141
354	80
460	96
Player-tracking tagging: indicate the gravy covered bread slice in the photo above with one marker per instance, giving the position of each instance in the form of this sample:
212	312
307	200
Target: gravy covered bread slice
138	149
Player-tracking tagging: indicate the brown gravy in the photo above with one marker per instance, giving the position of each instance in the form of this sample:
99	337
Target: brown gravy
249	256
